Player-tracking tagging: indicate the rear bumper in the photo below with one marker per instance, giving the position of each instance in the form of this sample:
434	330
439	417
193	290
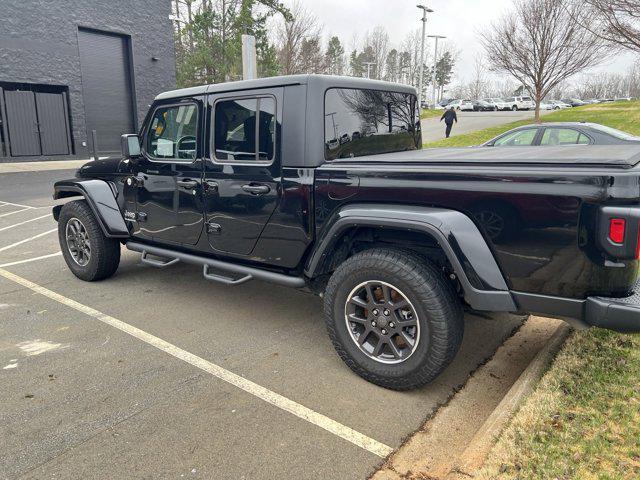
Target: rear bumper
619	314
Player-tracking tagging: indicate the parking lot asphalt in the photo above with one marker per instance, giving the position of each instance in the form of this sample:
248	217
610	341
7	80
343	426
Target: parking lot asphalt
161	374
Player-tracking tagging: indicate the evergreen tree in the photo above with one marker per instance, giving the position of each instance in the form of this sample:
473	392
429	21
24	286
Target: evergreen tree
210	39
334	57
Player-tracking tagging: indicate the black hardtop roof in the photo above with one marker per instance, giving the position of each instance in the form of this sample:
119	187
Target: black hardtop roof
319	81
615	156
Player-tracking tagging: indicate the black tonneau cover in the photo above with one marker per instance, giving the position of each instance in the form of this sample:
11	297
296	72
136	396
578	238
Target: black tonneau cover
614	156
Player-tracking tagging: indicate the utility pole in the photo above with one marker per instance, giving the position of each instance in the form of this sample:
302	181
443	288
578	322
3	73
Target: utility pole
333	120
249	63
435	64
424	25
368	64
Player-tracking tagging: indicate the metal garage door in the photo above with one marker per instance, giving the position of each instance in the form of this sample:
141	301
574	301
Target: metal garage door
106	87
53	123
37	123
22	122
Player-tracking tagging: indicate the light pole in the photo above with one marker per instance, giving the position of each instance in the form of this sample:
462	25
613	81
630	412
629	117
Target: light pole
435	64
335	125
424	24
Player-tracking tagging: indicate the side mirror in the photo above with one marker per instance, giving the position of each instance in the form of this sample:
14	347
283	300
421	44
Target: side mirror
130	145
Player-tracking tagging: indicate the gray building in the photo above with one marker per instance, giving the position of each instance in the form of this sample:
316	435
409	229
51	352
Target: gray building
72	67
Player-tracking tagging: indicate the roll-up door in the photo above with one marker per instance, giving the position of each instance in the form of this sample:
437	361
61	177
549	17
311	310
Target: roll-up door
106	87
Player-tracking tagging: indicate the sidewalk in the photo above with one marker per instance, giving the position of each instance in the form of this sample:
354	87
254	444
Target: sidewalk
41	166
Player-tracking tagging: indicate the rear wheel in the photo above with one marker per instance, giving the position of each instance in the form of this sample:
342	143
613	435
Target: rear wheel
393	318
514	108
89	254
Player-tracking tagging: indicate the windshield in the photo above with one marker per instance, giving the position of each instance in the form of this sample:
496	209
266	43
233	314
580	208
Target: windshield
614	132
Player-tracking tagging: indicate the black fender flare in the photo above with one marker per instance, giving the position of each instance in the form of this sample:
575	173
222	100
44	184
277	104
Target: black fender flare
100	198
482	281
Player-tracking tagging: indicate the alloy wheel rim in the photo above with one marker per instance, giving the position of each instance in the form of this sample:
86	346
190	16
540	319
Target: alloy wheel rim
78	242
382	322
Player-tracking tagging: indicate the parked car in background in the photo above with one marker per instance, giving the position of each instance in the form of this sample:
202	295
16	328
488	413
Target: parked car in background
559	104
482	106
574	102
444	102
498	103
461	105
520	103
562	133
344	139
592	100
546	106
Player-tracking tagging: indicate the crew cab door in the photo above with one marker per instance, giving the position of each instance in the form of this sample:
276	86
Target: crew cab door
168	175
242	172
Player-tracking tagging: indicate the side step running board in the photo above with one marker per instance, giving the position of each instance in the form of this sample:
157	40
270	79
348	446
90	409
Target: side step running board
248	273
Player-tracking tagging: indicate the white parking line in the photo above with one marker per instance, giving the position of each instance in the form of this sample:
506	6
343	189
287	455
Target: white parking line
300	411
15	204
28	239
26	221
29	260
14	212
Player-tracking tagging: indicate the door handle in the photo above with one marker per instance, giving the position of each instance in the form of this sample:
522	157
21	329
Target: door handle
187	183
256	189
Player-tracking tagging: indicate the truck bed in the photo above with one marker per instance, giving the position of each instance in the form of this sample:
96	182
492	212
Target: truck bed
612	156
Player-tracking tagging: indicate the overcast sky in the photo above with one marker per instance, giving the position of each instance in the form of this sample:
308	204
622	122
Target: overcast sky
459	20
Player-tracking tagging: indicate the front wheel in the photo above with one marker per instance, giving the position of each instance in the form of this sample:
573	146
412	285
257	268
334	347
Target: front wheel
89	254
393	318
514	108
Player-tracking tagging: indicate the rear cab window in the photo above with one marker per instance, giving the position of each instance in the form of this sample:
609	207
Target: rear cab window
361	122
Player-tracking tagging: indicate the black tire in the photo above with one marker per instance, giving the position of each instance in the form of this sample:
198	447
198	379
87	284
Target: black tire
439	315
104	255
514	108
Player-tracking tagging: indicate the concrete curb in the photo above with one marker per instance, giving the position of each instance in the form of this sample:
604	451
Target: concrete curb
16	167
476	452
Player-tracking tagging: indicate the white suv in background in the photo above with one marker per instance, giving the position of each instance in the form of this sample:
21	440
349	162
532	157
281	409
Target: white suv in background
498	103
520	103
461	105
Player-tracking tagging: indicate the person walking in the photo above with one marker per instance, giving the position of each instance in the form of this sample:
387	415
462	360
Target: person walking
449	116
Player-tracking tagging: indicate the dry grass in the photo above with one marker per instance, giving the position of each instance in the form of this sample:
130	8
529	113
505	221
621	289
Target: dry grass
583	419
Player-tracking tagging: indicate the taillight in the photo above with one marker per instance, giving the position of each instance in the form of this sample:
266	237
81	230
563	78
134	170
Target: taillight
616	230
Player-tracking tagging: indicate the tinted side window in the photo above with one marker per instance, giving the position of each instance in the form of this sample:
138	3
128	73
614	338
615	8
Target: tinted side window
172	132
369	122
520	138
244	129
563	136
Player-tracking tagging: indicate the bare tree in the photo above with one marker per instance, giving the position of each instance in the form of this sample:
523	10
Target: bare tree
292	35
478	85
378	41
616	21
541	45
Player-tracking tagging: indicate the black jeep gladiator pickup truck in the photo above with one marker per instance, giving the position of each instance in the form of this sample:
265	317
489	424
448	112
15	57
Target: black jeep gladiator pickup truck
320	183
